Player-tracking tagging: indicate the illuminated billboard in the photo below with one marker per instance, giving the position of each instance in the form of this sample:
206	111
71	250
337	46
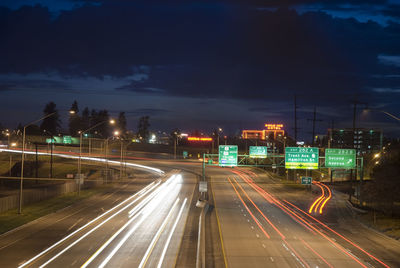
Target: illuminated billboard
274	126
271	129
253	134
199	139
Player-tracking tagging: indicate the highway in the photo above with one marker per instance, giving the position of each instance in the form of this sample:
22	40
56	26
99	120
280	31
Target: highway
140	223
258	229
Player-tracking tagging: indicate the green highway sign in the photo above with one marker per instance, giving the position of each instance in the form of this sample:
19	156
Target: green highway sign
50	140
340	158
228	155
67	139
306	180
185	154
258	151
301	158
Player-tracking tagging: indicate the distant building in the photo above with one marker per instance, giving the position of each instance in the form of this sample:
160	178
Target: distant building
362	139
271	131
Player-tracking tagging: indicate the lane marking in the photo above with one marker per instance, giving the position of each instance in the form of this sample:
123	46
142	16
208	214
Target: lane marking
146	189
170	234
316	253
219	229
157	236
133	216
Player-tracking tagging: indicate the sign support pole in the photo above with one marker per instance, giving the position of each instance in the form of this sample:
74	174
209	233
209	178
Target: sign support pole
204	167
361	180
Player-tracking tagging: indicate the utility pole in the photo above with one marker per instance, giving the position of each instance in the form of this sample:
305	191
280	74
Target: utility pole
329	146
355	146
36	162
314	119
295	118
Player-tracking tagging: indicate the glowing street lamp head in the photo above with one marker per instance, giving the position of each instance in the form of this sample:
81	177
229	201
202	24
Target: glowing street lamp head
377	155
13	144
72	112
116	133
112	121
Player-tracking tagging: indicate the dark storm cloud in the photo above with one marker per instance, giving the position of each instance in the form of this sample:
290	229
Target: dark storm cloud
392	10
32	84
147	111
203	49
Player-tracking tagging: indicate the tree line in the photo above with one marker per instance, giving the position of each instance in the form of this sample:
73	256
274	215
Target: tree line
84	120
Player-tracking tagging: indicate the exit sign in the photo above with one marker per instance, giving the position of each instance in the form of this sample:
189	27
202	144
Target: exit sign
306	180
340	158
228	155
301	158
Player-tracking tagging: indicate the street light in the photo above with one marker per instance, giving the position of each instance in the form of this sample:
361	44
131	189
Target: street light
112	121
219	130
116	133
23	158
175	143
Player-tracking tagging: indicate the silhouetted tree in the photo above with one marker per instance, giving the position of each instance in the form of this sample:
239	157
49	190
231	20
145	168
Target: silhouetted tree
384	188
85	119
103	129
143	128
51	123
122	123
74	119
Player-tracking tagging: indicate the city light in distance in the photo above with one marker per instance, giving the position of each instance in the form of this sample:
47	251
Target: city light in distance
274	126
199	139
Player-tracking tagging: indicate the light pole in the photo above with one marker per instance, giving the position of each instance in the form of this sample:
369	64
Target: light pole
112	121
116	133
175	143
387	113
23	158
106	153
219	130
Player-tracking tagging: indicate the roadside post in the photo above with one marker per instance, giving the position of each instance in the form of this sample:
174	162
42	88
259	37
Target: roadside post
204	167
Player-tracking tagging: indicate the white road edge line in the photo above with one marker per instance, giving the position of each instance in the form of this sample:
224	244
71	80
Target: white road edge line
131	231
170	235
84	226
157	235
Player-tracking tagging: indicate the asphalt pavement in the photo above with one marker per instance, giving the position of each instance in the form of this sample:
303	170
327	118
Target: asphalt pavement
258	229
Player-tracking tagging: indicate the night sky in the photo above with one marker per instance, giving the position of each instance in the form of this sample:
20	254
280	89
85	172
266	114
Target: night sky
203	64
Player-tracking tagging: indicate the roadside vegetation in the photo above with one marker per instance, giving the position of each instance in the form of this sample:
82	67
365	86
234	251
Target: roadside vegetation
11	219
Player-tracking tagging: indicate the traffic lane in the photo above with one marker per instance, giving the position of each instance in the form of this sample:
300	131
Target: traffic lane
93	233
340	224
170	240
277	240
244	243
305	243
82	251
20	244
133	252
327	232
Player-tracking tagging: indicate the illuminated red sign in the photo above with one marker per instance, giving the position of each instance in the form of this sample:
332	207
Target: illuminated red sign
274	126
199	139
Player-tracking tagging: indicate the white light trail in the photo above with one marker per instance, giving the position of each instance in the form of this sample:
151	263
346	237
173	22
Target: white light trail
144	190
157	236
103	160
131	214
170	235
166	191
91	231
